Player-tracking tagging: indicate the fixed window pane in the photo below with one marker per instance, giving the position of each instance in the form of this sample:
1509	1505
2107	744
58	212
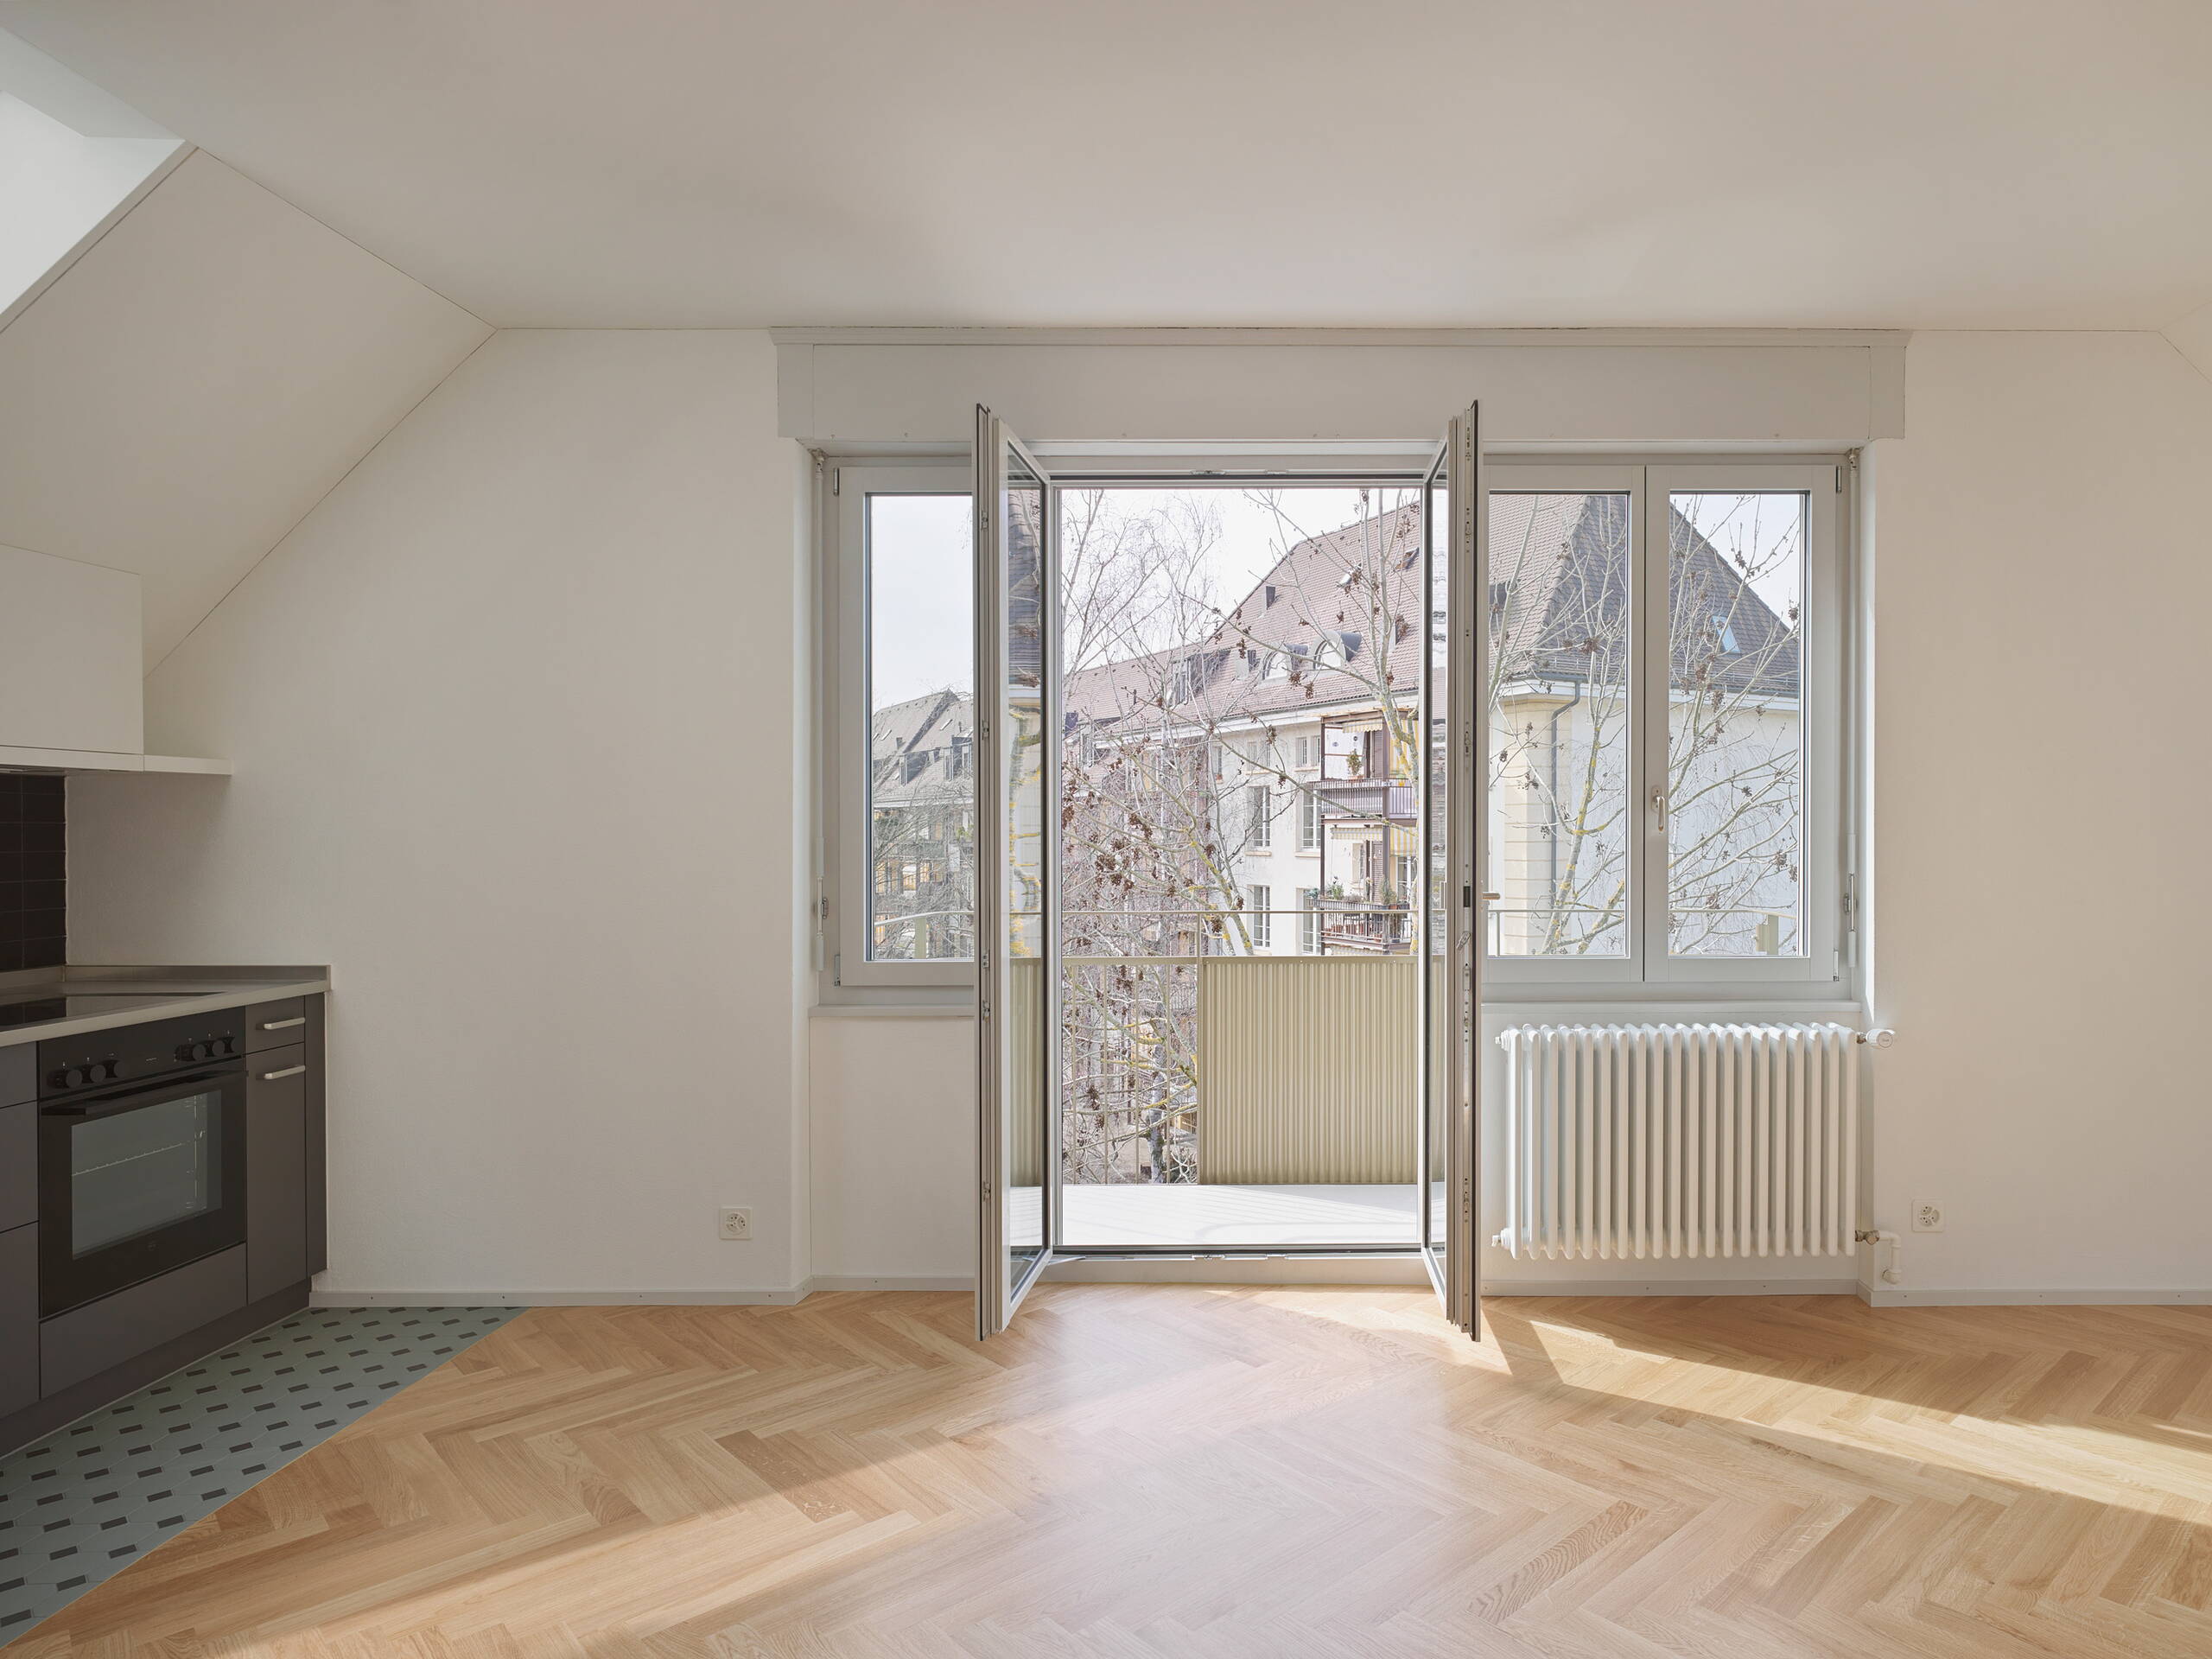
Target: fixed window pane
920	675
1735	724
1559	623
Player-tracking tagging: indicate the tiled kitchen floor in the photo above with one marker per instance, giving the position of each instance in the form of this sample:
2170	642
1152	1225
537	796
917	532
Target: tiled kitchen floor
80	1505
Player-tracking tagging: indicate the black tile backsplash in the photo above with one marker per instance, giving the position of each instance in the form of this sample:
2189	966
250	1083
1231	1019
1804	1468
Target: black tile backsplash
33	851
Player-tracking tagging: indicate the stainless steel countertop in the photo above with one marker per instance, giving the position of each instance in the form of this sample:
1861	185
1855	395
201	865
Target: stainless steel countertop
175	991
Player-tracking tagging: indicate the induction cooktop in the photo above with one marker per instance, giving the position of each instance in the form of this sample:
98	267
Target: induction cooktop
80	1005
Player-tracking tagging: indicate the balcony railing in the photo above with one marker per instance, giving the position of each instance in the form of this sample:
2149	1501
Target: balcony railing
1248	1069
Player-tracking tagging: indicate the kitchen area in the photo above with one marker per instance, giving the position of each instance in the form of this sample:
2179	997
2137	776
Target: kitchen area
161	1190
162	1136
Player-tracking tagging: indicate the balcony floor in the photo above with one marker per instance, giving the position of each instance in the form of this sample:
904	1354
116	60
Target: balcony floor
1116	1218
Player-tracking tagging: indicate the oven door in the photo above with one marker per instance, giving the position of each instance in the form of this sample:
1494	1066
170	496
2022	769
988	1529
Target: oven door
138	1179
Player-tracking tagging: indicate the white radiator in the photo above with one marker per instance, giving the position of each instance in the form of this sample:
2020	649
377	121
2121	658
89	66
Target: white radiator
1681	1141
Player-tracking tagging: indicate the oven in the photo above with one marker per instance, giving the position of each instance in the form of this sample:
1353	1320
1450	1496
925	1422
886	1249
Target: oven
141	1155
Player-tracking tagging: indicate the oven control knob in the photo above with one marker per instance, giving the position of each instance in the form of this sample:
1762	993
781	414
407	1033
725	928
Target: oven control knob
63	1079
108	1069
184	1051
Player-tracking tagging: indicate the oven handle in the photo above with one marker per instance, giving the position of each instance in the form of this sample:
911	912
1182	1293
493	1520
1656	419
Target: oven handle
113	1102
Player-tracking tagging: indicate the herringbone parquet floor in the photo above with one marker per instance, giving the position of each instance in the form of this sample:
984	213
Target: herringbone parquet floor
1213	1472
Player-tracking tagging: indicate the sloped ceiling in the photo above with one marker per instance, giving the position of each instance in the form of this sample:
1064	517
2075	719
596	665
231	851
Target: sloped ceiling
1892	163
180	396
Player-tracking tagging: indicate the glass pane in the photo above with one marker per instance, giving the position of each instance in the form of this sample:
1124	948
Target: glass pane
1560	620
1030	858
920	671
137	1171
1735	724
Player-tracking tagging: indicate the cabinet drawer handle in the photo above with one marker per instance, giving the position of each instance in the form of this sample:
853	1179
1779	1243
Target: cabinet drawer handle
284	1025
288	1071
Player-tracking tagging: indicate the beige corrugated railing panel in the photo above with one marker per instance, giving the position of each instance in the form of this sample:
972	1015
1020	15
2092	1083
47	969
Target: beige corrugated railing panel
1305	1070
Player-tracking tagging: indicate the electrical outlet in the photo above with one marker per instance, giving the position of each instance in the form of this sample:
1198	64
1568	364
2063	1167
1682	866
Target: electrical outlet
737	1223
1927	1217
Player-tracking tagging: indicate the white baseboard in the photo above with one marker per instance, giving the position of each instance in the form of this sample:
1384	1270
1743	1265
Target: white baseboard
1876	1295
1312	1270
1670	1287
342	1298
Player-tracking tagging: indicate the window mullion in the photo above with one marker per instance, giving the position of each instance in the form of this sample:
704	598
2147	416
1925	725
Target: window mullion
1647	941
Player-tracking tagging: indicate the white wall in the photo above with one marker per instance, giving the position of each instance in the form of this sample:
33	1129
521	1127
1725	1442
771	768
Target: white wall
517	719
2043	558
2043	905
894	1128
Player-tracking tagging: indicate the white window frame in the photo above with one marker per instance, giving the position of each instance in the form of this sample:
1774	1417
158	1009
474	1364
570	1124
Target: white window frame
1261	832
1646	967
1829	968
1259	920
849	882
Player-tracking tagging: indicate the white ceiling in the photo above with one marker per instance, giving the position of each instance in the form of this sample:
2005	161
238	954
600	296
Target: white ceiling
2038	163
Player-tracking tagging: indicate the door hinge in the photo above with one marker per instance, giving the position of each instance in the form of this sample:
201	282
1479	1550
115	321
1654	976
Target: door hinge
837	481
1851	903
837	970
1838	478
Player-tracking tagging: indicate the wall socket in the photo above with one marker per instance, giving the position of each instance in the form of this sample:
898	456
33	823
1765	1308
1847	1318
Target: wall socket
736	1224
1927	1217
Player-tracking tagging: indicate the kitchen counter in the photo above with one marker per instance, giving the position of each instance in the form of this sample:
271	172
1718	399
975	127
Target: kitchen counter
97	998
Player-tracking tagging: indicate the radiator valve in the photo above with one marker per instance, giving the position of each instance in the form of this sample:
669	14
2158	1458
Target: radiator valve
1894	1274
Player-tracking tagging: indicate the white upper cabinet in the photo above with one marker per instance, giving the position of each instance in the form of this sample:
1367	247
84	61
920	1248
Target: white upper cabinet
69	656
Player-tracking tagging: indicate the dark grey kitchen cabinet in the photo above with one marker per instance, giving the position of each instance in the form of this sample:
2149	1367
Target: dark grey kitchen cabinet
277	1171
18	1319
18	1165
18	1073
278	1025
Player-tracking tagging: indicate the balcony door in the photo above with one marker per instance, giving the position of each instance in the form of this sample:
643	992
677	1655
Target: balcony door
1453	812
1017	922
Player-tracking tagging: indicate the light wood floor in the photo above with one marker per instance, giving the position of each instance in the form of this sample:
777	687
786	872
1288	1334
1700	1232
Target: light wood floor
1214	1472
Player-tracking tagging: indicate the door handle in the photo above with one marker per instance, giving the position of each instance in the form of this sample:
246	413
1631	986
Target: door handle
284	1025
288	1071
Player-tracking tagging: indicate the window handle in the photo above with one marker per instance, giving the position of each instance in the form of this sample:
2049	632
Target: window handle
1659	805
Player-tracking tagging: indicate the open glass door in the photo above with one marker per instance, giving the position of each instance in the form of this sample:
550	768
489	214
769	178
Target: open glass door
1452	814
1016	841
